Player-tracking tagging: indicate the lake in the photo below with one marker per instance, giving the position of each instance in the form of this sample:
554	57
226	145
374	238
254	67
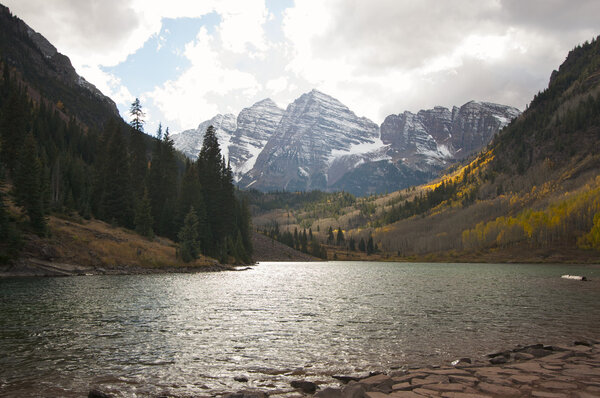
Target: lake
186	334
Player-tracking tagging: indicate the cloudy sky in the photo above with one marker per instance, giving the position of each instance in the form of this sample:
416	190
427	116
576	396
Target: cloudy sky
188	60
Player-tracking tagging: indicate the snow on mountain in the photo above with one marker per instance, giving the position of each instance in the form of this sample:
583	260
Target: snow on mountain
190	141
318	143
241	138
315	130
432	138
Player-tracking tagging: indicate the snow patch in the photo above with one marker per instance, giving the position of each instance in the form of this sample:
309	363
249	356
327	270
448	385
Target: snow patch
356	149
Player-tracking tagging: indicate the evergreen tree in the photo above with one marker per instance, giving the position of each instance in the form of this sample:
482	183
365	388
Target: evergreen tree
352	244
211	179
29	185
137	147
370	248
330	237
361	245
304	242
137	116
162	185
143	217
13	127
340	237
190	193
117	198
188	237
139	162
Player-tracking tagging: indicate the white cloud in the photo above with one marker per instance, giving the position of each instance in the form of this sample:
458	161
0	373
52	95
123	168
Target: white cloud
196	95
377	57
386	56
277	85
109	84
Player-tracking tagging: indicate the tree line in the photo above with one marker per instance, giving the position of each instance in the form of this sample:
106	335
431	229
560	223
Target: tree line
50	163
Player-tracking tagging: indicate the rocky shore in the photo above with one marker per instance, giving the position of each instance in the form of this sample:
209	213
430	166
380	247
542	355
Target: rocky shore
541	371
531	371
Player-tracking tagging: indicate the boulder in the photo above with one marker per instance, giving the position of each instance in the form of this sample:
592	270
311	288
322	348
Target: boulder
461	361
346	379
307	387
329	392
498	360
241	379
353	390
98	394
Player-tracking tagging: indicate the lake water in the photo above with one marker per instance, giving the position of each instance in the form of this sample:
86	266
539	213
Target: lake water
192	334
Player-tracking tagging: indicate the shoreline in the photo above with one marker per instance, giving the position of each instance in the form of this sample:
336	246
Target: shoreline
558	371
32	267
36	267
538	370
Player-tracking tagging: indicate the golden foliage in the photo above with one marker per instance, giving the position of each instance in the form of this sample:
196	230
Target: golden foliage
562	221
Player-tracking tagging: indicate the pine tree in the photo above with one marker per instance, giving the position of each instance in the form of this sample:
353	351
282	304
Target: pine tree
304	242
330	237
13	127
143	217
340	237
188	237
370	247
29	185
211	168
352	244
190	193
117	200
361	245
137	116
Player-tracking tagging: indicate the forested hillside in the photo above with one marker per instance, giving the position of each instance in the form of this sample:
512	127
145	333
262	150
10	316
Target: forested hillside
532	195
65	152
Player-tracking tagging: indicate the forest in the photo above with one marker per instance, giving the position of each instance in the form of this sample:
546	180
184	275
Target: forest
52	164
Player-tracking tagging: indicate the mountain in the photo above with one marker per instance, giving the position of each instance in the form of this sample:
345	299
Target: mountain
533	195
50	73
318	143
435	137
241	138
416	147
315	132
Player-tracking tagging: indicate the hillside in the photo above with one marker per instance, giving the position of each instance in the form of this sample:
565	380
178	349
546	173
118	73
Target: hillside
66	152
91	247
533	195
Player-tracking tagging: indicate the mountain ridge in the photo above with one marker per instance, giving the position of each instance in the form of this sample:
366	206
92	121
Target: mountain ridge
319	143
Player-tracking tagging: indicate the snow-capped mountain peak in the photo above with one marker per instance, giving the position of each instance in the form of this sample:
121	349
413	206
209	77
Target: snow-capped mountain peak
318	143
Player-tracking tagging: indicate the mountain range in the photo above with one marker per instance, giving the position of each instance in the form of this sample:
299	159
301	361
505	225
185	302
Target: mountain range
319	143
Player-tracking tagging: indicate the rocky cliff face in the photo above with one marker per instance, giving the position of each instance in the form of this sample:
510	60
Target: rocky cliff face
315	130
241	138
318	143
435	137
51	72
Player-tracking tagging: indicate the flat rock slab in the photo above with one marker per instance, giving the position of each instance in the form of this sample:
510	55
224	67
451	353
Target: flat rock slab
524	379
546	394
496	389
455	387
558	385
